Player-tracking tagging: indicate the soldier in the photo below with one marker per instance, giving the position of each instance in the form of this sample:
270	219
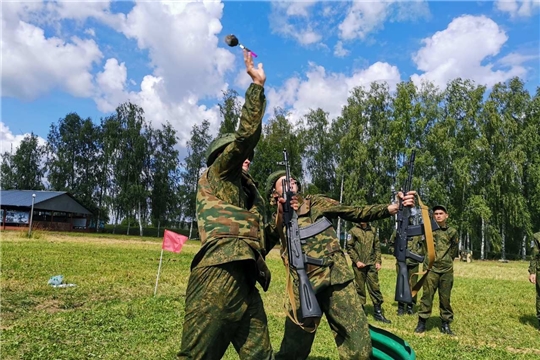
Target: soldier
441	276
364	249
534	272
223	305
332	282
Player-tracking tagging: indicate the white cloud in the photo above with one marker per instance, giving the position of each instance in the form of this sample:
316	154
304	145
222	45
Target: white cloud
181	39
33	65
326	90
294	20
10	142
339	50
363	18
463	49
518	8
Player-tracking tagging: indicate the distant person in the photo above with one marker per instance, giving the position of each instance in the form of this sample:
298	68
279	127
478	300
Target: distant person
364	249
534	272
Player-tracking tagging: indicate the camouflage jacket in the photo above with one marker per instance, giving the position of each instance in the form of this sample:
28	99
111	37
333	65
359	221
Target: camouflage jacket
230	209
446	242
414	244
325	245
534	266
363	245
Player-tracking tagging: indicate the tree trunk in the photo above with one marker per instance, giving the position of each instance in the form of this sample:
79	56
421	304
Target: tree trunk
524	248
129	224
140	219
503	245
483	244
158	223
190	228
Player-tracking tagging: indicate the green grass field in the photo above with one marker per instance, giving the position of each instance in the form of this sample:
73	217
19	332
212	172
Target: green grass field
112	314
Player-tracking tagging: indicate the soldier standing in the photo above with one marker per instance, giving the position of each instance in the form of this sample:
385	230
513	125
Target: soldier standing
441	276
331	281
534	272
364	249
223	305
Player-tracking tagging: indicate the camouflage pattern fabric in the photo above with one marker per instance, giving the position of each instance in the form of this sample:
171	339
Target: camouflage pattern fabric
347	321
368	276
441	277
223	307
221	298
363	245
332	282
444	283
534	267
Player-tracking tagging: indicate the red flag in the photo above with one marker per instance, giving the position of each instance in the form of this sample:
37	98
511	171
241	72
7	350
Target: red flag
173	241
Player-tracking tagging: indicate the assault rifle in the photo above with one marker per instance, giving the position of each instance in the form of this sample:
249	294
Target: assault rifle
405	231
297	259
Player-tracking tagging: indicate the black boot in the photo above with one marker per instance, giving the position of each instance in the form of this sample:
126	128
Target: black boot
400	309
445	328
378	315
410	309
421	327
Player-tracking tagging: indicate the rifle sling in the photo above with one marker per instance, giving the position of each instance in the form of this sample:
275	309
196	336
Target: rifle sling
430	247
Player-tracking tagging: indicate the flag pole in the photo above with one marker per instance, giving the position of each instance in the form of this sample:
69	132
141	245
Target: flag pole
158	270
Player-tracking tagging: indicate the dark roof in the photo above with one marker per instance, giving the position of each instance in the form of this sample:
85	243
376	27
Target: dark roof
45	200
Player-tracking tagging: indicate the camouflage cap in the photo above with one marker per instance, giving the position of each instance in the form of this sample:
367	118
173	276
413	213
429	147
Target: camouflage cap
217	146
440	207
271	182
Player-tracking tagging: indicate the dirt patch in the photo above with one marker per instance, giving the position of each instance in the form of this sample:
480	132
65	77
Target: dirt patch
50	306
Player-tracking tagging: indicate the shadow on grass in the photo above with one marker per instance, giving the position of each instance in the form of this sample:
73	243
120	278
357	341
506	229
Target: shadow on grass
318	358
529	320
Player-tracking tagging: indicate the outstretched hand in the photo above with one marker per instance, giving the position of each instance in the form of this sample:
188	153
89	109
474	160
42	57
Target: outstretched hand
408	200
257	74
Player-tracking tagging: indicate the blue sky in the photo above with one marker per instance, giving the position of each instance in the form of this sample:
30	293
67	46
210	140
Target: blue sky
88	57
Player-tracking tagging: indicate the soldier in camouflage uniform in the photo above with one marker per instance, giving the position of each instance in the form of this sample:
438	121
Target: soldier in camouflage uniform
223	305
332	282
441	276
364	249
415	245
534	272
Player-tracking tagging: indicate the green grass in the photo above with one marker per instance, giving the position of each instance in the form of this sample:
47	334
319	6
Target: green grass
112	314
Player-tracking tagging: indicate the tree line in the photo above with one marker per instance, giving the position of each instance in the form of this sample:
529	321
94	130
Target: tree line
476	152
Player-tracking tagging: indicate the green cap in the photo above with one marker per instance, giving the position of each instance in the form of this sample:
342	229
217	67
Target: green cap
271	182
217	146
440	207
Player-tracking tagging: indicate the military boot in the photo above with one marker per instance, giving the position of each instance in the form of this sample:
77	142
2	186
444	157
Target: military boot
400	309
421	327
445	328
410	309
378	315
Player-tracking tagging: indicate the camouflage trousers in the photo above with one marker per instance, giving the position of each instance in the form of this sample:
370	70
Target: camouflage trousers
368	276
223	306
444	283
347	321
411	269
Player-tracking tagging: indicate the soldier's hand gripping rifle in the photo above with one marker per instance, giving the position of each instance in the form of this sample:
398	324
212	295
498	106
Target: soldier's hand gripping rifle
297	259
405	231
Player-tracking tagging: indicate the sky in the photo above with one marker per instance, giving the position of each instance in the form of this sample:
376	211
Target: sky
170	57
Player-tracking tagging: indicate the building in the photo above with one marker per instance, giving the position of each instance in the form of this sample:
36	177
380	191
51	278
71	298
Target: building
53	210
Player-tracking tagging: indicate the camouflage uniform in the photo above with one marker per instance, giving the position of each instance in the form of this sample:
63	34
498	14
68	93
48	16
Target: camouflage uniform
441	276
223	305
534	268
363	245
413	267
332	283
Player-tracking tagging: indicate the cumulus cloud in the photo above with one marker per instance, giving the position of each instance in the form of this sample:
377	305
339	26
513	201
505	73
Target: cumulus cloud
464	49
518	8
363	18
294	20
10	142
181	40
327	90
339	50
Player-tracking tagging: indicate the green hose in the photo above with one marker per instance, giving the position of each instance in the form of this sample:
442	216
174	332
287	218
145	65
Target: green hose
387	346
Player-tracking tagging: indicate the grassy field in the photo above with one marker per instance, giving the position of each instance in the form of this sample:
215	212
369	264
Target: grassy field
112	314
